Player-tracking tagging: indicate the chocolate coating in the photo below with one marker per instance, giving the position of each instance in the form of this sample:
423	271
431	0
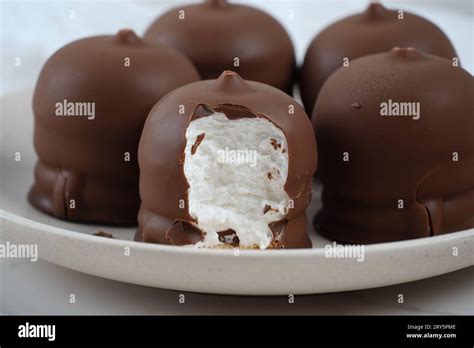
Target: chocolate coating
163	185
83	159
401	179
214	33
373	31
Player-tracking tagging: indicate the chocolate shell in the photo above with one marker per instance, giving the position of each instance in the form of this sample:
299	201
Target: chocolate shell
164	215
396	152
217	35
90	103
374	31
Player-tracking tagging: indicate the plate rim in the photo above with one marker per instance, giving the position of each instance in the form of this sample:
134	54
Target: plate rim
369	248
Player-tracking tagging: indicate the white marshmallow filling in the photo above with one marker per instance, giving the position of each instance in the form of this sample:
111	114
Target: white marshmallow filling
236	170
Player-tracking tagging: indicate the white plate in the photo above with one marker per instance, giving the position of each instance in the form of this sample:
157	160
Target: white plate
270	272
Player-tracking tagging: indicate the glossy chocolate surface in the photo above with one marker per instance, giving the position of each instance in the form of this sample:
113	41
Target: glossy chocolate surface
87	168
376	30
389	178
217	36
163	185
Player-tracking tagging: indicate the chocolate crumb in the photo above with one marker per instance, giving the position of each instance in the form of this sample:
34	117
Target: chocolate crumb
266	209
199	139
269	176
229	236
103	234
276	145
356	105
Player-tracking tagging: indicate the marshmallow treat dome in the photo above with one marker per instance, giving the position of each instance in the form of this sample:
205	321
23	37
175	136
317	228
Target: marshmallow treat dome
224	163
90	104
217	35
396	151
377	29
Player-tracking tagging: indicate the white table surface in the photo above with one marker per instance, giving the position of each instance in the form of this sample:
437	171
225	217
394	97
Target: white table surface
44	288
